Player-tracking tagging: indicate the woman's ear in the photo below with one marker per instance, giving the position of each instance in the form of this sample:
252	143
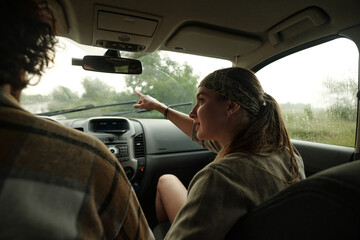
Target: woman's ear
232	107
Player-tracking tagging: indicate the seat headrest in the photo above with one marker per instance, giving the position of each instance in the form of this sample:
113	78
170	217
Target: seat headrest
324	206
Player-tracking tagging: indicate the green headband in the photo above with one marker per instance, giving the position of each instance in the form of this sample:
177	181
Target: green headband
221	82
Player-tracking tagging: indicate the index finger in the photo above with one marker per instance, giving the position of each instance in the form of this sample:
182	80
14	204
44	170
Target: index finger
138	93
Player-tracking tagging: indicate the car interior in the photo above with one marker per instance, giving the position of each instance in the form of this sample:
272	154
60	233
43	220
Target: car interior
249	34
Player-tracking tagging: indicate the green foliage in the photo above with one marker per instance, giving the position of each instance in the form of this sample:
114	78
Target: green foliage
164	79
317	125
342	98
61	98
309	113
97	91
334	125
62	93
33	99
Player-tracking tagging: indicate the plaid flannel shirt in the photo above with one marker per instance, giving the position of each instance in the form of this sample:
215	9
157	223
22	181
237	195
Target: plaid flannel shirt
59	183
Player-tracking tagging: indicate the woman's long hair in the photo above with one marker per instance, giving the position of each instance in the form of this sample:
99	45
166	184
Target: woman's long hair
266	133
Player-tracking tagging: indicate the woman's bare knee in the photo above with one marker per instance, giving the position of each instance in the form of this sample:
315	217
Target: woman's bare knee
172	194
167	180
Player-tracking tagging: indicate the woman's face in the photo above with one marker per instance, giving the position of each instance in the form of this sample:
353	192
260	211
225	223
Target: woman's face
210	115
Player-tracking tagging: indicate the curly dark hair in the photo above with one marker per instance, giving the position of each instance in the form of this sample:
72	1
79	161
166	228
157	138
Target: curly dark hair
28	40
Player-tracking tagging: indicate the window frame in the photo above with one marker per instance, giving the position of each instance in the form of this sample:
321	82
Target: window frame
308	45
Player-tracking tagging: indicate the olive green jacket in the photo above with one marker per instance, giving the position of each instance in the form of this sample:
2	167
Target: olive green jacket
227	189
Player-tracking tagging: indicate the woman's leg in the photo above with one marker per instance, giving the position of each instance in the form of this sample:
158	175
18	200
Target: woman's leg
170	197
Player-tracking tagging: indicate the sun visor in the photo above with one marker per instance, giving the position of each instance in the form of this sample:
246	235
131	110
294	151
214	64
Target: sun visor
209	42
122	29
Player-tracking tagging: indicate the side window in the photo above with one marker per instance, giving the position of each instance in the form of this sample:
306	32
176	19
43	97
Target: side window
316	90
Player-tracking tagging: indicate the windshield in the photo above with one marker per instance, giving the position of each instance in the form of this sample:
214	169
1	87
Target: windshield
172	78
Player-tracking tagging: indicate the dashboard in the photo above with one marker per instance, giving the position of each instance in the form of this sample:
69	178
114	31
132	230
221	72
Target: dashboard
144	147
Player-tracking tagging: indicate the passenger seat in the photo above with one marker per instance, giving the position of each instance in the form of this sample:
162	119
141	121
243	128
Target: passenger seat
324	206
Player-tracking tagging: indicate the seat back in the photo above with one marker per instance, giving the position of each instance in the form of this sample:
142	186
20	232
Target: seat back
324	206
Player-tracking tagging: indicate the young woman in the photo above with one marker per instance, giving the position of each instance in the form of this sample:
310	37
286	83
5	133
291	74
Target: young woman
236	119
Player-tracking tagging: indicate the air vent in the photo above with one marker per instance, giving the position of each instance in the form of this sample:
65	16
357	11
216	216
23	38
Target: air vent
80	129
139	146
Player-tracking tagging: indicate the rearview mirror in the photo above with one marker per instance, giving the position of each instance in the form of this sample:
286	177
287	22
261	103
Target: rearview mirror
109	64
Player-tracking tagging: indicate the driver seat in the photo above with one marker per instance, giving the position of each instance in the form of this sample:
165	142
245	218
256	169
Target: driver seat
324	206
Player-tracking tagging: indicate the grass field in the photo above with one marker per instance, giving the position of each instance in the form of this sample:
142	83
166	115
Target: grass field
319	126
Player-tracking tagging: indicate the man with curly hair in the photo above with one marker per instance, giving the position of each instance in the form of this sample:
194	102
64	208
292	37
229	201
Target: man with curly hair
55	182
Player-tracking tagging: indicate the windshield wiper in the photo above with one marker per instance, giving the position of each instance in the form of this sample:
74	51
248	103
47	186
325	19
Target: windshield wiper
87	107
144	110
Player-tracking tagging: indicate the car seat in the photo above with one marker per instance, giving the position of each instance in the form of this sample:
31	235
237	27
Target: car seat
324	206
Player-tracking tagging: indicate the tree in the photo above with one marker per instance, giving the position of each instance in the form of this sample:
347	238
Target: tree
164	79
31	99
343	98
61	98
63	94
97	91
